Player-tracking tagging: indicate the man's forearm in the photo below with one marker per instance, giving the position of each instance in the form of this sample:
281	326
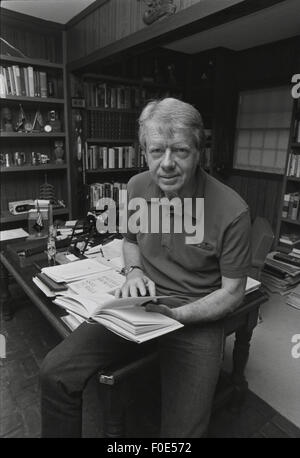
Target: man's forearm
212	307
131	254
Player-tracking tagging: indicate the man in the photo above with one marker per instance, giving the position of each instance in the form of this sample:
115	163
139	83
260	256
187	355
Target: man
205	281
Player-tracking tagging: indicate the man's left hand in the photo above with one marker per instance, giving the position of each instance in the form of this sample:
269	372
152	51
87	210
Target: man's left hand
163	309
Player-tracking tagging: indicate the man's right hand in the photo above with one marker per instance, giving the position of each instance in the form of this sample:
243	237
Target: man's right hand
136	284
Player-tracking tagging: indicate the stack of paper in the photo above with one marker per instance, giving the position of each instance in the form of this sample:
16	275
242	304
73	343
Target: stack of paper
109	254
278	276
74	270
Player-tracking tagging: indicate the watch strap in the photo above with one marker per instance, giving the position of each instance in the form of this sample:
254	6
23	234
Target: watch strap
131	268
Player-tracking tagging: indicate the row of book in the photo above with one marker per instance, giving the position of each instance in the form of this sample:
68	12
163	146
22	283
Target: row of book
279	275
24	82
115	157
291	204
293	167
111	125
104	95
297	131
100	190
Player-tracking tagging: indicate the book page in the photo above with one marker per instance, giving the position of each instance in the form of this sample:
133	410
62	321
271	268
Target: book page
91	306
107	282
105	321
83	306
137	316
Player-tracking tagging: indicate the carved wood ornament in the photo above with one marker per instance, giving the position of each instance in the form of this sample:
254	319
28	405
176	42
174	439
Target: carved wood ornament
156	9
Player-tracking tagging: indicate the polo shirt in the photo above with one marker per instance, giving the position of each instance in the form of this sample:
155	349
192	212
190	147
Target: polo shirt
191	271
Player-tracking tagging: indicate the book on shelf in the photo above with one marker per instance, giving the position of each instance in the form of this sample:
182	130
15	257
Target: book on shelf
290	207
23	81
297	130
293	167
111	96
110	157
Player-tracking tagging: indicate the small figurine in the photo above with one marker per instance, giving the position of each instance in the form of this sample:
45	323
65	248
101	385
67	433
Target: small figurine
38	122
20	125
58	151
6	120
53	121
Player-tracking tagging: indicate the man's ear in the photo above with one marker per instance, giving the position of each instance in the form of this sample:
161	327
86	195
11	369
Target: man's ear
145	156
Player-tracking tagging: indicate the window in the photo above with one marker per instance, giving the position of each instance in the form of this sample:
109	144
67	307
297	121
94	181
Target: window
262	130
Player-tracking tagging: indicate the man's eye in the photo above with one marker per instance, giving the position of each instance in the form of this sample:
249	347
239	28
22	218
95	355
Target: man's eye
157	151
182	152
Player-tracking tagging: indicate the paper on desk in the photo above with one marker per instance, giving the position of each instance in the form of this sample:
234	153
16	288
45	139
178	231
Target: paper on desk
13	234
115	263
73	271
113	249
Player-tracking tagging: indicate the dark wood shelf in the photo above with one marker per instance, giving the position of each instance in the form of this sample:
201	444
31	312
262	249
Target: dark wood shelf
114	110
293	179
28	61
7	217
110	78
110	140
127	169
15	135
162	86
132	81
36	100
32	168
290	221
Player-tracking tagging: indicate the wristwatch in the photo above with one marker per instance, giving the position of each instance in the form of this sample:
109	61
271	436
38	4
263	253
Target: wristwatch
129	269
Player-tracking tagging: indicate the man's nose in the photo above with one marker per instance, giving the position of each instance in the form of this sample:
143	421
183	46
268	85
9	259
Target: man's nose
168	160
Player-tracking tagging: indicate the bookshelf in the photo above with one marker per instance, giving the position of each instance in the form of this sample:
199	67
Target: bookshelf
288	226
111	153
34	134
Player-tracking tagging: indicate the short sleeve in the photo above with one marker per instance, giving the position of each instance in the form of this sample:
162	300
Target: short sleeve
235	258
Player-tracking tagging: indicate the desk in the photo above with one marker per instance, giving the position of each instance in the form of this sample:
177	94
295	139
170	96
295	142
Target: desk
241	322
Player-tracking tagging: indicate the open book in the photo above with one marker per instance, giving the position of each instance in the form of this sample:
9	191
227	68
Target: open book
126	317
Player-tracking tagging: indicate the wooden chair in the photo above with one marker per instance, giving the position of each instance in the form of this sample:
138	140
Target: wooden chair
241	322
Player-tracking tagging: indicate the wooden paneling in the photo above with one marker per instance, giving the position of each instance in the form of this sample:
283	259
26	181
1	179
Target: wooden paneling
33	37
261	192
117	19
111	21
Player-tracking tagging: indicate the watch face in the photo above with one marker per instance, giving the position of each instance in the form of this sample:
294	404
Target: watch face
47	128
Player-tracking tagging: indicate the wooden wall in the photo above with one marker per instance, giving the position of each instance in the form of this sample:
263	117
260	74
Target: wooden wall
113	20
34	37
